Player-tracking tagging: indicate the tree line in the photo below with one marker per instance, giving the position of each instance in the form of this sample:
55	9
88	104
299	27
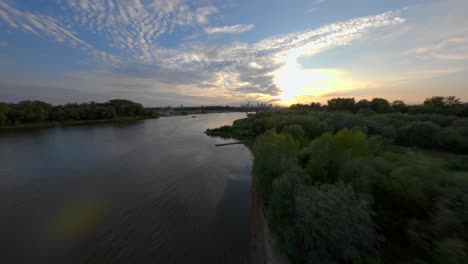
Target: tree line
346	185
38	111
431	130
449	105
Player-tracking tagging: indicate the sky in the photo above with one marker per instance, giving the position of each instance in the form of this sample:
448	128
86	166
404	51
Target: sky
227	52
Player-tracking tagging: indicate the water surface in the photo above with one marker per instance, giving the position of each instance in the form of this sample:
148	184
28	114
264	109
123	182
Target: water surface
157	191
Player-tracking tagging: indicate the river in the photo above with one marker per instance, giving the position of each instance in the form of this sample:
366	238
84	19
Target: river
157	191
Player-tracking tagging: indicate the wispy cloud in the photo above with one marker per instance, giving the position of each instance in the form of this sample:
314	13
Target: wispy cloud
455	48
229	29
247	70
316	4
133	26
48	26
235	70
3	44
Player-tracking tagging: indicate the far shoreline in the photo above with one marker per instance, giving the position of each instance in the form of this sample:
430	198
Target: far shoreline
53	124
50	124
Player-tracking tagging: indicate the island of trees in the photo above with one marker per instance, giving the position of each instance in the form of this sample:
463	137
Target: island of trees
363	182
37	113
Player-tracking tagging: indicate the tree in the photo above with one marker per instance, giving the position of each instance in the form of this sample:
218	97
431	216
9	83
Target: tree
419	133
341	104
59	114
435	101
125	107
274	153
3	113
315	105
281	210
336	224
399	106
440	104
380	105
29	111
363	104
452	101
296	131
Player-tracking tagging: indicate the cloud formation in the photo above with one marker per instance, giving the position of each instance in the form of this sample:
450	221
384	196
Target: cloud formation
134	26
455	49
229	29
213	69
243	68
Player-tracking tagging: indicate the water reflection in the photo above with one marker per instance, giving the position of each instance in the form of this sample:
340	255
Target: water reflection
152	192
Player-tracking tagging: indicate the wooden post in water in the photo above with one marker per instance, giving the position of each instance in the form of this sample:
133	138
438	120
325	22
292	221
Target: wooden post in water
233	143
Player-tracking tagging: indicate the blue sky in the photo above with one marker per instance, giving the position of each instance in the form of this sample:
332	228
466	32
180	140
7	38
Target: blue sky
171	52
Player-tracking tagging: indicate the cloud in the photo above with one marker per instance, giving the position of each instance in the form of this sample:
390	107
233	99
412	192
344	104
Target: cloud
133	26
192	68
248	69
229	29
48	26
3	44
455	48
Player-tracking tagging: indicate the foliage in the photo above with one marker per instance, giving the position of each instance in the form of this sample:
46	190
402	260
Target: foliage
380	105
341	104
275	152
37	111
343	199
432	131
419	133
335	224
3	113
337	190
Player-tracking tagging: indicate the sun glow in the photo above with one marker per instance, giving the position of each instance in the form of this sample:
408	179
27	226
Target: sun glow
296	82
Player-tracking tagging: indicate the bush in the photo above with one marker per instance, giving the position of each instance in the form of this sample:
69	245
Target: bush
335	223
419	133
274	154
296	131
331	201
281	211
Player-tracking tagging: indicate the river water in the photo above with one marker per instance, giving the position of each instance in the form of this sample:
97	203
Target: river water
157	191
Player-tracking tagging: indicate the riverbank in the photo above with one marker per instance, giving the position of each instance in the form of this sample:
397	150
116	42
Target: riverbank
72	123
264	249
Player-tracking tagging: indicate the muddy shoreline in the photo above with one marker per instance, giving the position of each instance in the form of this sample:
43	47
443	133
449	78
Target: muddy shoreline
263	248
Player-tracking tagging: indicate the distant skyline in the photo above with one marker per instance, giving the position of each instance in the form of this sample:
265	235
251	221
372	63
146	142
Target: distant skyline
211	52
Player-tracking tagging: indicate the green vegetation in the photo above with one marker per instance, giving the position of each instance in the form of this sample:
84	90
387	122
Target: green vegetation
381	185
37	113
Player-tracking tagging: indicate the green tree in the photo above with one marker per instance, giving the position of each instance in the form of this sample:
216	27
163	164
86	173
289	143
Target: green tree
336	224
3	113
296	131
274	153
363	104
125	107
399	106
380	105
419	133
29	111
341	104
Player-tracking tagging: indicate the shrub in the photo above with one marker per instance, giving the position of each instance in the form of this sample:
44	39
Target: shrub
335	223
274	153
296	131
419	133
